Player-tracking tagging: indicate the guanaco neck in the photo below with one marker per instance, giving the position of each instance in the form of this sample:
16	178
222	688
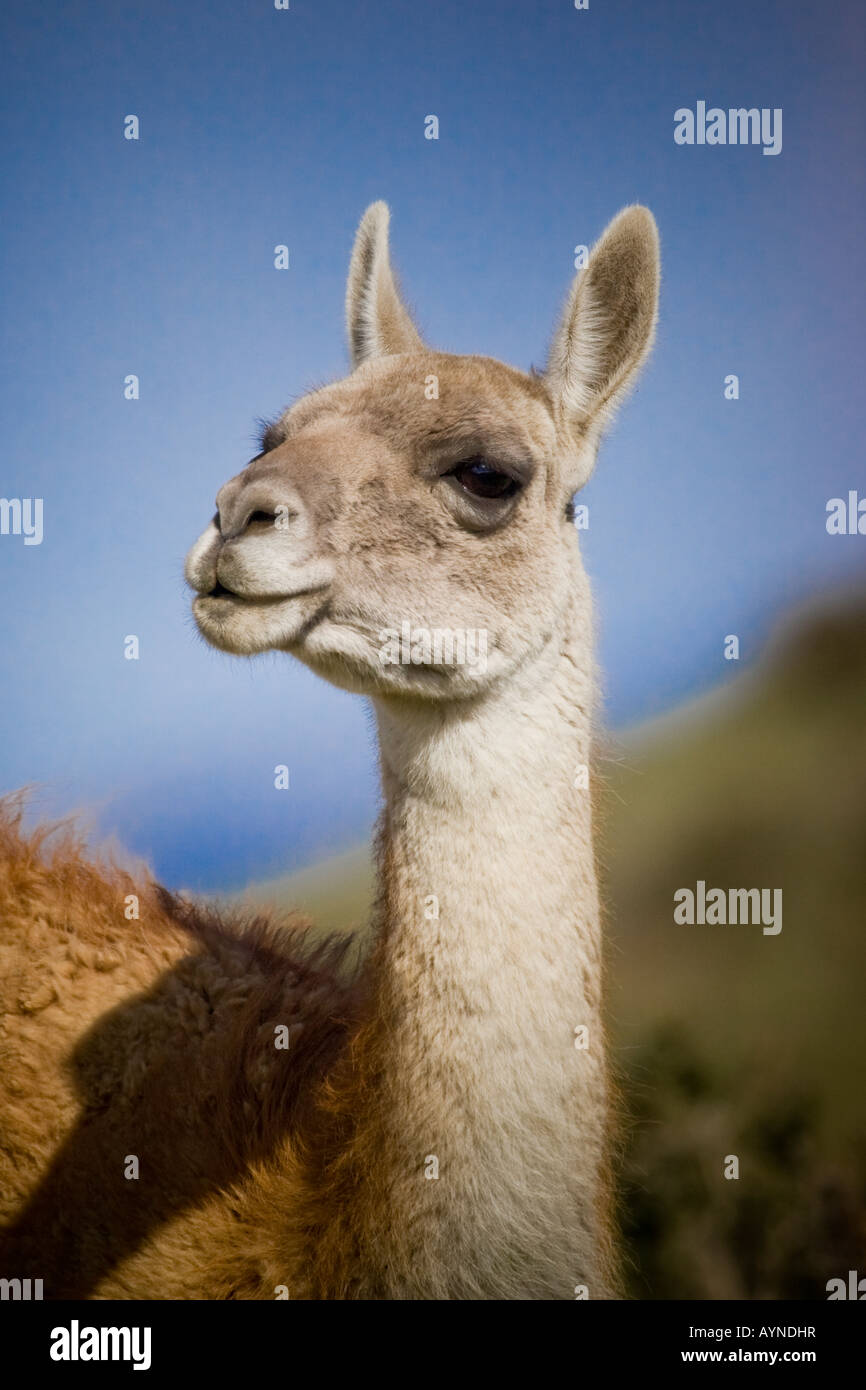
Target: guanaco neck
478	1154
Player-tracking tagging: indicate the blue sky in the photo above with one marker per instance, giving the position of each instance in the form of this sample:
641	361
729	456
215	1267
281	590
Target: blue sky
155	257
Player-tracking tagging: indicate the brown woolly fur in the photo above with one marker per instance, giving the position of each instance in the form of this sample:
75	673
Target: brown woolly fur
438	1124
152	1038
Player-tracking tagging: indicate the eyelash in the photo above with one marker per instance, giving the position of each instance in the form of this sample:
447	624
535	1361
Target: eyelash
267	438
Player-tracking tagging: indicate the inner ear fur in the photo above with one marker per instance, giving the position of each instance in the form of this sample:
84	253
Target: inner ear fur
607	327
377	321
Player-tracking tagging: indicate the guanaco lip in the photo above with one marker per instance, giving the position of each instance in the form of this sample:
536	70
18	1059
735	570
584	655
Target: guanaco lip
220	592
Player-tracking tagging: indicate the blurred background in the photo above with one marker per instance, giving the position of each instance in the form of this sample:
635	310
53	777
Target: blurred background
707	516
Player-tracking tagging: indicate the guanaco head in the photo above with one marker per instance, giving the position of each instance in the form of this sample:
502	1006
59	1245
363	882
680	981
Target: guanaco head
426	493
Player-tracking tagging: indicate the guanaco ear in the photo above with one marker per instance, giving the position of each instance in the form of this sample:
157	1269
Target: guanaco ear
378	322
606	330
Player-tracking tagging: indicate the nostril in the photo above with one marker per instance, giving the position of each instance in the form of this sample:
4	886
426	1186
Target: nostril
266	518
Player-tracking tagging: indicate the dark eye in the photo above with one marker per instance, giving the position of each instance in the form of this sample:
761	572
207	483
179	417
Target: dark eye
484	479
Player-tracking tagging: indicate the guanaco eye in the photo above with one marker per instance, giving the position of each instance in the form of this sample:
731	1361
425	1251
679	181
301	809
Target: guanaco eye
483	479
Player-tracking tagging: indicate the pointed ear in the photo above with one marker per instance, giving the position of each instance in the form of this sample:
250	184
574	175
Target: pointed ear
607	327
378	323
